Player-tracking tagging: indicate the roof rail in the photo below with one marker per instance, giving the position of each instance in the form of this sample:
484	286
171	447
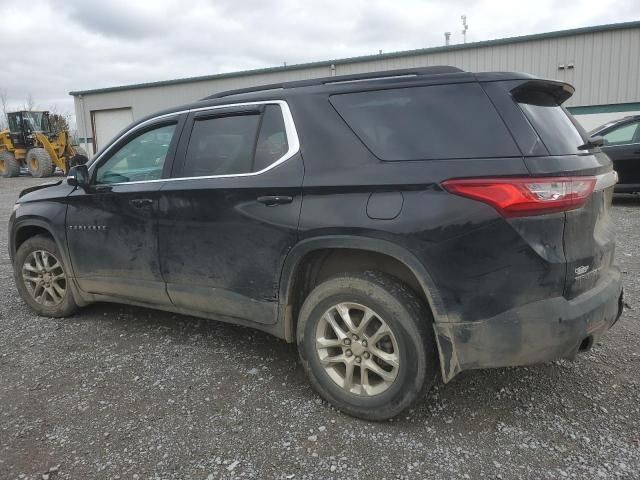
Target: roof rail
358	77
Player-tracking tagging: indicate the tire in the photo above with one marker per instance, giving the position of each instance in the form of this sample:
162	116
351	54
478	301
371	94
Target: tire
39	163
411	343
34	254
9	166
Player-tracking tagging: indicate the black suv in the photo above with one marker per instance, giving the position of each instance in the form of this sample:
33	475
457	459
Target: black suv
621	142
388	223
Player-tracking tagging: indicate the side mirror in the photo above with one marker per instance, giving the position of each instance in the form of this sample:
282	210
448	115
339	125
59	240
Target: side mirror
597	140
78	159
593	142
78	176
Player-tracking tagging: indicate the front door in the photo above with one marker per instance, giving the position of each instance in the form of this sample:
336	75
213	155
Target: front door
112	225
622	144
230	215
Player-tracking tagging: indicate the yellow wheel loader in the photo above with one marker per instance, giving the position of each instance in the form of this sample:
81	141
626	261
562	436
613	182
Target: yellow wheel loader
30	142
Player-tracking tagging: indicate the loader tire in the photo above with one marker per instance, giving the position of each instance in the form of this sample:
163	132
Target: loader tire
9	166
39	163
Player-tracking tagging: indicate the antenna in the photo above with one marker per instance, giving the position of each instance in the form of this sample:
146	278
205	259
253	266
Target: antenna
447	38
465	27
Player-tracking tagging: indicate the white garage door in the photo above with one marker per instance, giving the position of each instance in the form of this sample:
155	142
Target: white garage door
107	123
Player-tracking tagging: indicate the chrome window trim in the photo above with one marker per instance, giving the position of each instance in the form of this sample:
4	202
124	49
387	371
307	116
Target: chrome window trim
289	125
620	144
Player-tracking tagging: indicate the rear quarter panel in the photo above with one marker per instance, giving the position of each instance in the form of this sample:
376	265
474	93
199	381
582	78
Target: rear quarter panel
480	263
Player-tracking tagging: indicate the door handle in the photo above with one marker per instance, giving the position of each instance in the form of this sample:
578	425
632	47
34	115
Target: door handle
141	202
273	200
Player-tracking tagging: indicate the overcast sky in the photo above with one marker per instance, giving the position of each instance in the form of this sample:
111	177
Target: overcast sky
50	48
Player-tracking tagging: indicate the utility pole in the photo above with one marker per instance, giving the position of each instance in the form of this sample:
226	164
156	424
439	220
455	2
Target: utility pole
447	38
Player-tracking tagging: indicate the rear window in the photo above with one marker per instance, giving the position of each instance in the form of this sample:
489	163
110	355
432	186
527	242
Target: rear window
272	141
221	146
558	131
236	144
425	123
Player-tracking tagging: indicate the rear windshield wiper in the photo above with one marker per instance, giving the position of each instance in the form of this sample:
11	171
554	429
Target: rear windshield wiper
593	142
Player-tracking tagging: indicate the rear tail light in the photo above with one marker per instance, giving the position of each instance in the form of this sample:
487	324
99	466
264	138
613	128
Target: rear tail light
520	197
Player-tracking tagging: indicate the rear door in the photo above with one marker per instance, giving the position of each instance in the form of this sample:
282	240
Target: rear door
588	233
230	214
622	144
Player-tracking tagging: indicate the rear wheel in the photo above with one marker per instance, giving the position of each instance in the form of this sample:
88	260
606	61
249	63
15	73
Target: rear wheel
9	166
39	163
42	279
367	344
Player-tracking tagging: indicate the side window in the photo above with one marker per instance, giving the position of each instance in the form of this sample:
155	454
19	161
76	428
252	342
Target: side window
221	145
425	123
622	135
272	141
142	158
235	144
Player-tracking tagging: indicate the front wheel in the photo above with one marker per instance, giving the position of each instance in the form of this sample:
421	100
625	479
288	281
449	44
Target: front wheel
42	279
9	166
39	163
367	344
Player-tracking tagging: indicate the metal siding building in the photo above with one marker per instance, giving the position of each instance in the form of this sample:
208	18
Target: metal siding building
602	62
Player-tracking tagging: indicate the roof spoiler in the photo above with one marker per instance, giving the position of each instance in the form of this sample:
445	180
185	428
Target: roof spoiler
560	91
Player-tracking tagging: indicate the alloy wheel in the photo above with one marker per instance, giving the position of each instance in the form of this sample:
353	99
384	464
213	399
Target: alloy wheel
44	278
357	349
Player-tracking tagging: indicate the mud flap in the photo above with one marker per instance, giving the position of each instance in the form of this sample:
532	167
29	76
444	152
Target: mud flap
449	364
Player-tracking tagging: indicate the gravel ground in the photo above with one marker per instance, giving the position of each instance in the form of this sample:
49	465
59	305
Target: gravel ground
123	392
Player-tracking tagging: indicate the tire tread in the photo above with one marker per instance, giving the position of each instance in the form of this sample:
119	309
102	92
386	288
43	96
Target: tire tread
372	284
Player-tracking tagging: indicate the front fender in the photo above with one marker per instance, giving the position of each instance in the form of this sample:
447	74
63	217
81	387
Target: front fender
16	224
20	220
42	206
47	214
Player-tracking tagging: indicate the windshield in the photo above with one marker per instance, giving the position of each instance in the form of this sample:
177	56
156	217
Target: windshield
15	122
36	121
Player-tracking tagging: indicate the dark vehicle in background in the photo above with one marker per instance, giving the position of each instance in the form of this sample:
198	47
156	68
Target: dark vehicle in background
392	224
621	142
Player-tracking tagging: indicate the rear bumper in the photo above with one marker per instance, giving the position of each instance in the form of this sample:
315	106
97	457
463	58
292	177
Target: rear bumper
537	332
